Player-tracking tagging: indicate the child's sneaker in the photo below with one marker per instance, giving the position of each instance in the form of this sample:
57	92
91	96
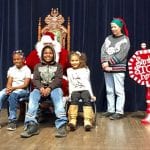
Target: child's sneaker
61	132
30	130
11	126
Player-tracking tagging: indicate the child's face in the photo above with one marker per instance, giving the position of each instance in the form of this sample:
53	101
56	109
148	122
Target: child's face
48	55
74	61
18	60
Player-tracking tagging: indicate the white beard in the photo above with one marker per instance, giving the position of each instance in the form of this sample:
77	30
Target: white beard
57	48
39	46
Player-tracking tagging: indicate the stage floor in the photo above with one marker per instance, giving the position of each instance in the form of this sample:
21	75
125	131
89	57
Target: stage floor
124	134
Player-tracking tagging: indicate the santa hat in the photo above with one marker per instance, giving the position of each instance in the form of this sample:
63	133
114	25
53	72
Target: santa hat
121	23
47	37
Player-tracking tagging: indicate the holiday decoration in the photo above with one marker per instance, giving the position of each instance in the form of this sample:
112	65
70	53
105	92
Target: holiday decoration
139	71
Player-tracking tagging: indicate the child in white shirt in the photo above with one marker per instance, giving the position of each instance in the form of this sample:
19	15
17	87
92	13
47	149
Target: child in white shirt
18	79
79	88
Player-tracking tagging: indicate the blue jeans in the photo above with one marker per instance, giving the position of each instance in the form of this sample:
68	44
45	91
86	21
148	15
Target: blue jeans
56	97
13	99
115	89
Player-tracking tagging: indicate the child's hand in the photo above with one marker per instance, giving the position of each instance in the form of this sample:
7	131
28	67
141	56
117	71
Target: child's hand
8	90
93	98
42	91
47	91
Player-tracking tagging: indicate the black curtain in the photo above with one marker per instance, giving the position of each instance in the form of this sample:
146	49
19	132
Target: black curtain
90	20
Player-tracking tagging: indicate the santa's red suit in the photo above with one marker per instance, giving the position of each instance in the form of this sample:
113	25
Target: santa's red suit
61	56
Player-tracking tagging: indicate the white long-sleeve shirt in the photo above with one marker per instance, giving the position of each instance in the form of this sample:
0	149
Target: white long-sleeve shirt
79	80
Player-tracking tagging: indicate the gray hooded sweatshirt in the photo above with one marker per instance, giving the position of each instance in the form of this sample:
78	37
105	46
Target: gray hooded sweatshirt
48	74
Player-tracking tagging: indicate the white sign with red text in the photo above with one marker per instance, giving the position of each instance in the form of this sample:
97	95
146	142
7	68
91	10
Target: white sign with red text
139	67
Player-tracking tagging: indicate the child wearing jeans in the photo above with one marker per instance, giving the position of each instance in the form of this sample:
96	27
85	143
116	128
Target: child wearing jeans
18	79
79	88
47	79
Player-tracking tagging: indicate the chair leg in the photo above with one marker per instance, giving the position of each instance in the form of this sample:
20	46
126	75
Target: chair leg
95	113
22	111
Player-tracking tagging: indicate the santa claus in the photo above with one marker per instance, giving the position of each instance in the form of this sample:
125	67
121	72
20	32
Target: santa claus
61	56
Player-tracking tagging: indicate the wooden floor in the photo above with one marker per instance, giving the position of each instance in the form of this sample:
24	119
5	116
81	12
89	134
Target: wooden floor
125	134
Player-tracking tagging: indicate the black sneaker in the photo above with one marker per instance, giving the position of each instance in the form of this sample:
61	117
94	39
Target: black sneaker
107	114
116	116
61	132
11	126
31	129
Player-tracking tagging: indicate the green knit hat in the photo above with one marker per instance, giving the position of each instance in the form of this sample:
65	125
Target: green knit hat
118	22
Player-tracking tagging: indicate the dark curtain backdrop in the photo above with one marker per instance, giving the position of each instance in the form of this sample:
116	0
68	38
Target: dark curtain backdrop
90	20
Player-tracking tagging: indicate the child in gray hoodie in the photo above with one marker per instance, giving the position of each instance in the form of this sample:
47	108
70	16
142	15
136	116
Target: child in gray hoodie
47	79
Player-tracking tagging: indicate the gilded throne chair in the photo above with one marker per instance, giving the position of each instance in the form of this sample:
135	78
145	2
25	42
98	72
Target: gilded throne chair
54	22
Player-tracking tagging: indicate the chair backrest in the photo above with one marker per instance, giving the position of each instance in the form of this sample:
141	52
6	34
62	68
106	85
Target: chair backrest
54	23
